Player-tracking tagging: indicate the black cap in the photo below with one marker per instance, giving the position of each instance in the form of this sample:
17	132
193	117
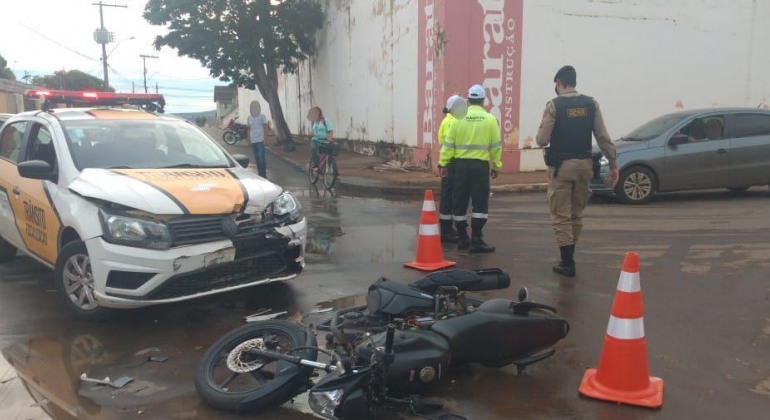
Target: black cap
565	73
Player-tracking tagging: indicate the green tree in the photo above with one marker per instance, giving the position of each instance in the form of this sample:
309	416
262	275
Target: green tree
71	80
200	120
5	72
243	42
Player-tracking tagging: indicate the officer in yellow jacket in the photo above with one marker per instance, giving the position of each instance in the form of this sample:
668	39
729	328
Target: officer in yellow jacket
448	233
471	144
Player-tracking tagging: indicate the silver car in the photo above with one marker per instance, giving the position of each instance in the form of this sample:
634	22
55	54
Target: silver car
715	148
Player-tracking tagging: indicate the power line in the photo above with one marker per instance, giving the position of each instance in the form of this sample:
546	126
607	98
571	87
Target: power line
176	78
58	43
188	89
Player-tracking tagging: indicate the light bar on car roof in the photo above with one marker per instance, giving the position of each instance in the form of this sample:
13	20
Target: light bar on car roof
150	101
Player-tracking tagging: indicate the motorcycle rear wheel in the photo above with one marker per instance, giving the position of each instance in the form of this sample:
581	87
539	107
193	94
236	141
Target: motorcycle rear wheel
229	137
222	388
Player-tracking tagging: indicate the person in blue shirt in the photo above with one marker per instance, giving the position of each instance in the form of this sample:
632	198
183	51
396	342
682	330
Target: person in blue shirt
322	132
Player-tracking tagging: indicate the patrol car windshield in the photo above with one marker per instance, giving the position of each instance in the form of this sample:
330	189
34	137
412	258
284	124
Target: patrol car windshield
141	144
655	127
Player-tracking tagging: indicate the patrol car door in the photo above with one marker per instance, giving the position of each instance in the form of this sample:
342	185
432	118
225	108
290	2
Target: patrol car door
11	140
36	219
701	162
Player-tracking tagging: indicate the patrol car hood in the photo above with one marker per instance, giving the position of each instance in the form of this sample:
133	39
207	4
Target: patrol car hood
179	191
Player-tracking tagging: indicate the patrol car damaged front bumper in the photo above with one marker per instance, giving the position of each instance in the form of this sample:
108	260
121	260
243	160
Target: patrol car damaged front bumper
129	277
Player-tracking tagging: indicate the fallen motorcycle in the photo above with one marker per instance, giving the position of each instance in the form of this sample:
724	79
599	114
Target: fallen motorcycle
383	355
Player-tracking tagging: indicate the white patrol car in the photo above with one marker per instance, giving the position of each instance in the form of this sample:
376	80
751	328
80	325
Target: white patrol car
132	208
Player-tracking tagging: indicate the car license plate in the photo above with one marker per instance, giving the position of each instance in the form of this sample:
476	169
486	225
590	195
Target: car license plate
219	257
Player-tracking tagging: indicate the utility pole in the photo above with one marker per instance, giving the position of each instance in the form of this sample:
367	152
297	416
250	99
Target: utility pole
144	66
156	87
133	89
102	36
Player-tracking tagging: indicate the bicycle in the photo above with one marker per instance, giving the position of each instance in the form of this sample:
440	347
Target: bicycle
327	166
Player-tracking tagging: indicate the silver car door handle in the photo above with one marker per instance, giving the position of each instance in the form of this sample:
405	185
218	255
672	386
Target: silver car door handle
16	191
721	151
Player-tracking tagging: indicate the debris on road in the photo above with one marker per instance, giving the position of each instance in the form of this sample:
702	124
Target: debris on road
5	381
119	383
255	318
147	351
157	359
321	310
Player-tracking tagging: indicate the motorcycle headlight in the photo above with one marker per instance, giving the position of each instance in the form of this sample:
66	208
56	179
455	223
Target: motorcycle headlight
324	403
130	231
286	204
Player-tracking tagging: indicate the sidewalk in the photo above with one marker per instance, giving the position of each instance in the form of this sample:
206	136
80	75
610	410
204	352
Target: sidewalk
357	173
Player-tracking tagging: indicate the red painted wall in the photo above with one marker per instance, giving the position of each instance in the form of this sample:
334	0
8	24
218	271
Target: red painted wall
462	43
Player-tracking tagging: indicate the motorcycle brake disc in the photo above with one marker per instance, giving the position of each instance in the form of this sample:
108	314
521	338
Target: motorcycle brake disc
235	360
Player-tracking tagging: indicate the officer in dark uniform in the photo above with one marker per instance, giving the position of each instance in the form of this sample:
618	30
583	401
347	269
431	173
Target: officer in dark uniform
568	122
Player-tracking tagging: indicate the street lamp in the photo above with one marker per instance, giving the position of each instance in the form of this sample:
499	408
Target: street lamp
116	45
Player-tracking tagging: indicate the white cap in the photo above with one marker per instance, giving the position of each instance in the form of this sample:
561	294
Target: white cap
451	101
476	92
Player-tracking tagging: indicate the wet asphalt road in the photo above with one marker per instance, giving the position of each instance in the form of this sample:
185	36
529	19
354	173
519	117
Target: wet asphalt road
705	279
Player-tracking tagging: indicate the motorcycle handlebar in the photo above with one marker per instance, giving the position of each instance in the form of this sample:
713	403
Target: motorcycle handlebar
389	337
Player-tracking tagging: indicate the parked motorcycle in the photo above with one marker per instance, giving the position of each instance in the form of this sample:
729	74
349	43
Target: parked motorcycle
234	133
384	355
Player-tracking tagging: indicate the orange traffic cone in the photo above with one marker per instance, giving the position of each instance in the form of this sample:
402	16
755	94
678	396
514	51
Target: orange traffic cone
429	256
622	375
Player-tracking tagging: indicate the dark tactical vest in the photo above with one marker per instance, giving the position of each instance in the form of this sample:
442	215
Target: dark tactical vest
574	126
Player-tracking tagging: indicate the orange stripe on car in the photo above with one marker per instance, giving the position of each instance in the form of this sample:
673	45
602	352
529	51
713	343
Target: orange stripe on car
197	191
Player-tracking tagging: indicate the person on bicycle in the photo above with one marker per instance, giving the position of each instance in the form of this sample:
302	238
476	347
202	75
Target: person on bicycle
322	133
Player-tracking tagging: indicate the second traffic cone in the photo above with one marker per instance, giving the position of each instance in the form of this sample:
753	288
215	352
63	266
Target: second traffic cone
622	375
429	256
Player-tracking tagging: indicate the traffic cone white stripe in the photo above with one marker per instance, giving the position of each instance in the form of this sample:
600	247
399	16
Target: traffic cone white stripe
629	282
429	205
429	230
626	329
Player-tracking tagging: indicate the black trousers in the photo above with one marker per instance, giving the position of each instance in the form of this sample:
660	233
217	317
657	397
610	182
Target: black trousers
446	207
471	185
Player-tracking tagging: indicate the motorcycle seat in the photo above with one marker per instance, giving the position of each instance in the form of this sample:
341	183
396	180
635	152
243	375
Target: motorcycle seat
464	280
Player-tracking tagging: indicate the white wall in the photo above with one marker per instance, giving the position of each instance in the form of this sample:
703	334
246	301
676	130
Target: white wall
638	58
363	75
641	59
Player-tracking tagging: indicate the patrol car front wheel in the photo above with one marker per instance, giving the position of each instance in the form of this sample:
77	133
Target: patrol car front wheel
7	251
75	282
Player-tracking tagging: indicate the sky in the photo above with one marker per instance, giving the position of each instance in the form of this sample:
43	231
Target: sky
41	36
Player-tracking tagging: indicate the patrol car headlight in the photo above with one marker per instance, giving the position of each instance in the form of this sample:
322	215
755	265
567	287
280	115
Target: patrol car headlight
287	204
130	231
604	161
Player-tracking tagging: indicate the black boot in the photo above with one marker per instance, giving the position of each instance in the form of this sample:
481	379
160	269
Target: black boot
448	234
478	246
464	242
566	266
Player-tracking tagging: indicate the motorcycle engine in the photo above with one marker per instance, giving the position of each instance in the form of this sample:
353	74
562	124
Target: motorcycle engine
422	358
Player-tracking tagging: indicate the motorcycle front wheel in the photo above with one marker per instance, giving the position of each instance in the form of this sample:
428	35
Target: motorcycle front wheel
231	379
229	137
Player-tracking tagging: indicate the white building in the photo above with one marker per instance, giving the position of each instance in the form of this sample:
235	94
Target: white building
384	68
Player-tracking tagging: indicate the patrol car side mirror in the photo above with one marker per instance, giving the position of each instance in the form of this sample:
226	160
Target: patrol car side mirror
37	169
678	139
242	160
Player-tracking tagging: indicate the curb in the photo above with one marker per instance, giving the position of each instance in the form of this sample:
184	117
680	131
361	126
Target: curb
410	190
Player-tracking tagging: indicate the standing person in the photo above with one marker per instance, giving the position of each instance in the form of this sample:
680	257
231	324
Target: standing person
448	233
322	130
567	125
257	127
471	143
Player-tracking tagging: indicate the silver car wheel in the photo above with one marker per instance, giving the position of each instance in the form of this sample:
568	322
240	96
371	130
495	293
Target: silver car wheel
637	186
79	282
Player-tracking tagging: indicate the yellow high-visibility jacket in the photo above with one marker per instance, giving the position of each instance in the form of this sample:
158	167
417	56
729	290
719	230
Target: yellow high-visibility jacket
477	136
